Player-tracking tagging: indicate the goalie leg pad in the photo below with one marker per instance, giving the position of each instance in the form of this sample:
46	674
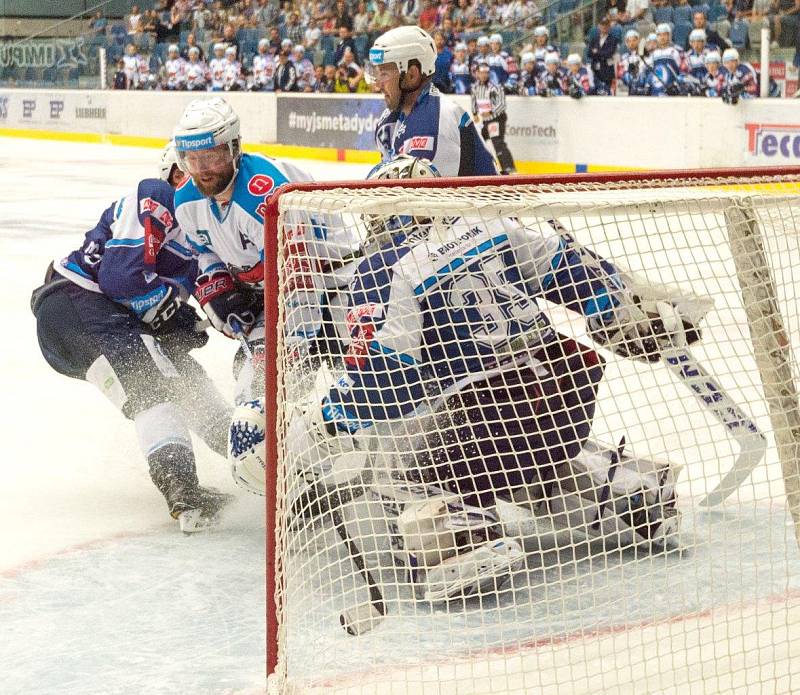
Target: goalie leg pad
619	498
247	447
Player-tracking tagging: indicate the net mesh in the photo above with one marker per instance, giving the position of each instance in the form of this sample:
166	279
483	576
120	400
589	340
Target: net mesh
463	448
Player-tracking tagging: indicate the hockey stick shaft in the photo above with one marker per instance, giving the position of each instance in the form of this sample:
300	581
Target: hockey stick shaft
753	444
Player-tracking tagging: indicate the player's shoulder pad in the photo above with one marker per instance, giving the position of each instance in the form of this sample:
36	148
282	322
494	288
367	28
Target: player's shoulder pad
155	198
258	177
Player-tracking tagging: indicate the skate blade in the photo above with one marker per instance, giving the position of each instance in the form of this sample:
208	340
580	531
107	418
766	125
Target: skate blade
193	521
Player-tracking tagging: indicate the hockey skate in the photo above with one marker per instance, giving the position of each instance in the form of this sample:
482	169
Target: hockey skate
196	508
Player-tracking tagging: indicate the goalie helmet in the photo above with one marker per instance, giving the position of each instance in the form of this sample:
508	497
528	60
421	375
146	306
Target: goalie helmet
204	125
381	229
400	46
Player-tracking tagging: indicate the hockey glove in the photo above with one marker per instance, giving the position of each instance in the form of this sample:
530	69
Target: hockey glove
223	303
642	330
185	331
160	316
575	91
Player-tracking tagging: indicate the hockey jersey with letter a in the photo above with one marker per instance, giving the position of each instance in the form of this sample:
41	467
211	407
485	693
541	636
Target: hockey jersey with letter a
437	129
135	251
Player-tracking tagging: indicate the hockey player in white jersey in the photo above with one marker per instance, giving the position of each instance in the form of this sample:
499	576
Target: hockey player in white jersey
668	63
418	119
232	80
196	71
263	69
114	313
445	330
216	68
221	211
174	71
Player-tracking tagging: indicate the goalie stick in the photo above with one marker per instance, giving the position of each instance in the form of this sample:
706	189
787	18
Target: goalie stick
681	362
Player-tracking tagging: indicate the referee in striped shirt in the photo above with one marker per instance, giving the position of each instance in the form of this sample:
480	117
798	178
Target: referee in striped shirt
489	109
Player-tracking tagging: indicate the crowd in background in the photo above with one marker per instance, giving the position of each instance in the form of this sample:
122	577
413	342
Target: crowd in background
320	46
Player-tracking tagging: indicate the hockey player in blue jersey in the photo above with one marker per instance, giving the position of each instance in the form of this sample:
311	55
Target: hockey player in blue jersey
418	119
740	80
696	55
580	81
552	80
528	76
114	313
460	75
715	74
445	330
668	63
632	70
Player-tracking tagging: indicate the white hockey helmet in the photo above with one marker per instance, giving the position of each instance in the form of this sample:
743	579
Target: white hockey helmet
712	57
632	34
651	37
729	55
169	159
460	46
400	46
173	48
194	51
574	59
552	59
219	47
230	51
204	125
496	38
482	41
380	229
541	31
664	28
527	57
697	35
263	43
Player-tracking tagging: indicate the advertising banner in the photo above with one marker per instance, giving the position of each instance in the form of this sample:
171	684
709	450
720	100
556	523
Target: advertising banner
56	110
341	122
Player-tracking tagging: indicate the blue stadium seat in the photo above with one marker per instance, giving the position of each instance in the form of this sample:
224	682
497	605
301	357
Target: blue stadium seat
161	51
738	35
662	15
118	32
565	6
114	53
716	12
183	36
701	7
680	34
616	32
327	44
155	64
682	13
327	58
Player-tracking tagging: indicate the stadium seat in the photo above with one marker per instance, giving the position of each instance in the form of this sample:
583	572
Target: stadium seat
184	36
161	50
680	34
328	57
723	28
716	12
702	7
682	13
362	46
118	33
662	15
738	34
155	64
327	44
754	32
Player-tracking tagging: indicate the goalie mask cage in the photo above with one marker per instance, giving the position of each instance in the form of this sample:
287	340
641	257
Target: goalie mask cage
588	611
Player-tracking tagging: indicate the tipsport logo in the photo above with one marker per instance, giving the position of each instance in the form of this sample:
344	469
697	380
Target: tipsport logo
775	141
200	141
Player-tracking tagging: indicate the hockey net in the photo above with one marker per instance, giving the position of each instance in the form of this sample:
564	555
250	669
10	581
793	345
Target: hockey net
589	610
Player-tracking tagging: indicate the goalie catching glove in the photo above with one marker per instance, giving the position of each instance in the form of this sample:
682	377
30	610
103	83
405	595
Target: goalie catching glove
643	330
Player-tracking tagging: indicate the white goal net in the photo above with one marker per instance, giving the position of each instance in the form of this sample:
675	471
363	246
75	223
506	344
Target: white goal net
535	437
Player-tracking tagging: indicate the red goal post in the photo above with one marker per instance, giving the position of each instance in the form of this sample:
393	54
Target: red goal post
632	179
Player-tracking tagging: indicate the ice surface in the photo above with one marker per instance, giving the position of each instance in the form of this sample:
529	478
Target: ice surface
99	592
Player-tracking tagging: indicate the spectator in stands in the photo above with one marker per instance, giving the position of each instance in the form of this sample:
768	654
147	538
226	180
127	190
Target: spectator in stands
635	11
444	59
744	9
133	21
274	41
382	20
329	24
312	35
345	41
713	39
229	37
149	23
342	15
361	20
285	73
328	80
601	50
354	70
410	9
428	16
266	13
98	24
191	42
166	31
295	31
120	80
463	13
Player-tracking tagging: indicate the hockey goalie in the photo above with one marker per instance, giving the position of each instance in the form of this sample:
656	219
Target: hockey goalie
453	373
